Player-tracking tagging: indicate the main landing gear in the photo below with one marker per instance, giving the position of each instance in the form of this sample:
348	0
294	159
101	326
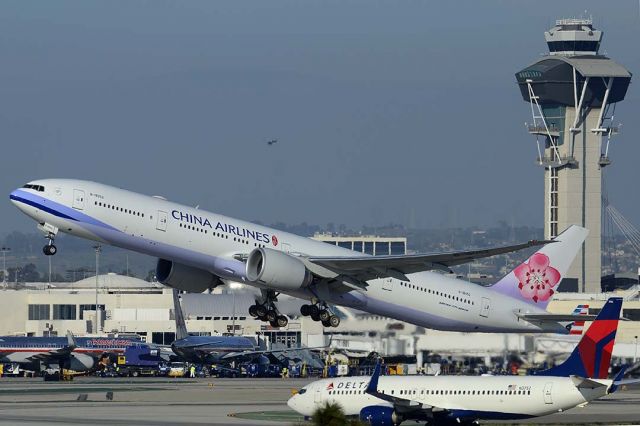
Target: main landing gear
268	312
50	232
320	312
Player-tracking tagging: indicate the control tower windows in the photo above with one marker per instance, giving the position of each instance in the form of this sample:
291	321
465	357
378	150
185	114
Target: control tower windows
573	46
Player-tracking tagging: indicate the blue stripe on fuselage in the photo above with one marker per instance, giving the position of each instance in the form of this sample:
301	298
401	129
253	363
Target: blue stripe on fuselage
57	209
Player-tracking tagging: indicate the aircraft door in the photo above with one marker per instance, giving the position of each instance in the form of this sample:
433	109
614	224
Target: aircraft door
78	199
387	284
317	396
485	307
547	393
161	225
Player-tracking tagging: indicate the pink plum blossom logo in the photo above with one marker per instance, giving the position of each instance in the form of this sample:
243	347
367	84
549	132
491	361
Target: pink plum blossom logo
537	278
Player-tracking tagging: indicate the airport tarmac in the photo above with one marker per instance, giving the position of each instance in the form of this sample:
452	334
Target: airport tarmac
161	401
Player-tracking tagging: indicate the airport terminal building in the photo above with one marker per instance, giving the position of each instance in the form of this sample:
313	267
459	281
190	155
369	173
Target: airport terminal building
130	305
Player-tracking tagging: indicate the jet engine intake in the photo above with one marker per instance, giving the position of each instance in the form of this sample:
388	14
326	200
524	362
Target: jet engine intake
80	362
185	277
277	270
379	415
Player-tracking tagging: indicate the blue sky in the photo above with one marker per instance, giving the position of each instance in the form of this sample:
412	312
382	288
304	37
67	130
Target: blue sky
385	111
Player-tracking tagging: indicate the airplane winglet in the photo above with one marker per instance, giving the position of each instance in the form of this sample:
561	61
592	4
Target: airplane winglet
617	381
71	340
372	387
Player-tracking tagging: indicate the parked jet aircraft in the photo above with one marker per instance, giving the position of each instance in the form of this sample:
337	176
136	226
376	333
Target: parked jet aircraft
390	400
214	349
72	353
197	250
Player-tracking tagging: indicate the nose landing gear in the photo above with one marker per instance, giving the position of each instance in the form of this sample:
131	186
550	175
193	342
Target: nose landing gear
268	312
320	312
49	249
50	232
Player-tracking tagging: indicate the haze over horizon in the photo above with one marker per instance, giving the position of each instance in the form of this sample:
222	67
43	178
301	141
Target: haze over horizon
384	112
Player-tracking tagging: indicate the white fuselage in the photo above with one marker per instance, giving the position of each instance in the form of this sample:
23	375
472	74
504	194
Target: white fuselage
478	397
209	241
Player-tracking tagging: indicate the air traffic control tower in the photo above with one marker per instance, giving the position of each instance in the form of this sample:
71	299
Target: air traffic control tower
573	92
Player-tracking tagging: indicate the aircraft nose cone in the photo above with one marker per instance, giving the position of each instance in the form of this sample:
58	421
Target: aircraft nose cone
293	403
14	197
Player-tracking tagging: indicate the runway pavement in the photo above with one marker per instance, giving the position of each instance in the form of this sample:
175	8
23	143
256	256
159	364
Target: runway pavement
208	401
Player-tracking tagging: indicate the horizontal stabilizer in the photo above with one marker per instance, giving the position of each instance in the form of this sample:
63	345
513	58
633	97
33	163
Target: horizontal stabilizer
555	317
584	383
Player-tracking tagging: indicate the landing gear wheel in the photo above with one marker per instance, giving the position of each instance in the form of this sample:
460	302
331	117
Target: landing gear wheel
282	321
324	315
326	324
253	310
315	317
334	321
273	324
272	316
314	311
261	311
304	310
49	250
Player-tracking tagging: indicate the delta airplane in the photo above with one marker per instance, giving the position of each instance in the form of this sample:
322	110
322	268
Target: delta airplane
198	250
71	353
390	400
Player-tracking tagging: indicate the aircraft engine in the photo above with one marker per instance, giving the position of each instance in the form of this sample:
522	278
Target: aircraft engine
185	277
276	269
379	415
80	362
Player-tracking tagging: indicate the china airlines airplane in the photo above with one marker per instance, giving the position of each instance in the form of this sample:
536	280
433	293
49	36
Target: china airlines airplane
390	400
198	250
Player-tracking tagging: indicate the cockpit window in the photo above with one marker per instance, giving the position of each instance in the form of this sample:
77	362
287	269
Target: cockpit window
38	188
303	390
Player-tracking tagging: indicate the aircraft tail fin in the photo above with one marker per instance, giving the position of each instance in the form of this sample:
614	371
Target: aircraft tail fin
181	326
577	327
592	357
537	279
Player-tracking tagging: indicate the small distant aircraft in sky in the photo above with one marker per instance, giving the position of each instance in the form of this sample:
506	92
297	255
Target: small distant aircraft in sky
272	142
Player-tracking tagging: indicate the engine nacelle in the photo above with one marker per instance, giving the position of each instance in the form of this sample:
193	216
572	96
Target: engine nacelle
379	415
276	269
80	362
185	277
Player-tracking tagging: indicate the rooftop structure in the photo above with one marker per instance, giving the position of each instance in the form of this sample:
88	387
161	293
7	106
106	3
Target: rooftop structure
368	244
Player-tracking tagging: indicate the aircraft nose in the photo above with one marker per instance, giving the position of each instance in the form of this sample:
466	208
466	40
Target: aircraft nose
293	403
14	198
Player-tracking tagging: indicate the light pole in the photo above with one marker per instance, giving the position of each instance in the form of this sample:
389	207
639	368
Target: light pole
4	263
97	248
635	354
233	287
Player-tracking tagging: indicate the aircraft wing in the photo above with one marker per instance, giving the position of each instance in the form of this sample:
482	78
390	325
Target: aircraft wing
364	268
240	354
62	352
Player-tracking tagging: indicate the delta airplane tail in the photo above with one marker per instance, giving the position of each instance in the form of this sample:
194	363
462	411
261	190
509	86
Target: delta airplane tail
537	279
592	357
